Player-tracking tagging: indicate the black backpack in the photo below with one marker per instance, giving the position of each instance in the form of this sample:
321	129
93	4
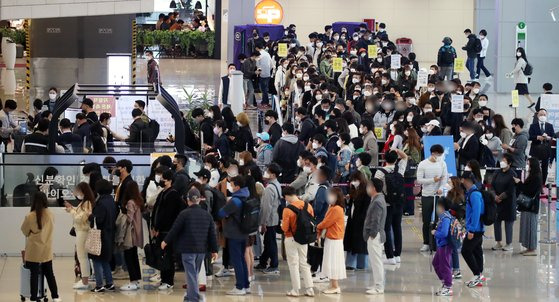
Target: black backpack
448	55
218	202
153	125
394	186
250	215
489	208
477	46
306	225
528	70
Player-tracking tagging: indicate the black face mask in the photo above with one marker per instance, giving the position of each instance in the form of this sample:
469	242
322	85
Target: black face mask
175	167
267	122
162	183
117	173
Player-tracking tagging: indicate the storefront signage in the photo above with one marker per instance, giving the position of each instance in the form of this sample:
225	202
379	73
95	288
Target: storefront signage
268	12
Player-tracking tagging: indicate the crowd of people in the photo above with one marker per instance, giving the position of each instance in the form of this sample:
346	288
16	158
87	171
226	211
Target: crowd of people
334	176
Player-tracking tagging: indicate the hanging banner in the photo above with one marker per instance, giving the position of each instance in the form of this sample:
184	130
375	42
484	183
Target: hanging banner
282	50
459	65
457	103
448	144
337	65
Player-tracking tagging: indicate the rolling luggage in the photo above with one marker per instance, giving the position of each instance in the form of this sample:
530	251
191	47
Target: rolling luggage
25	290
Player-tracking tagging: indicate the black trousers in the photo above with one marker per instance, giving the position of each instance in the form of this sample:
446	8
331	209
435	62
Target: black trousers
473	253
46	269
133	264
168	262
270	248
393	225
427	204
545	168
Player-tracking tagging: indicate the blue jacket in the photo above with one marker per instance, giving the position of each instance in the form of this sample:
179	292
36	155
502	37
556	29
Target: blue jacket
443	229
320	204
231	211
474	210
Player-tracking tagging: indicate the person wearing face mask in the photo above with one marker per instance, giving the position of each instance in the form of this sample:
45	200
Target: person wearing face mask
223	94
477	119
369	140
211	163
80	224
333	264
385	115
249	70
520	77
182	179
242	140
482	54
122	170
53	97
263	150
206	127
358	203
473	47
154	75
541	134
286	151
445	59
493	143
311	187
266	66
344	155
530	187
222	144
165	211
518	144
325	67
467	147
280	76
505	197
431	175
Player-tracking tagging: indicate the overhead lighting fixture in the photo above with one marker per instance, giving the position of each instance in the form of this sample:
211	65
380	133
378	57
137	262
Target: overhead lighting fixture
552	12
173	4
198	5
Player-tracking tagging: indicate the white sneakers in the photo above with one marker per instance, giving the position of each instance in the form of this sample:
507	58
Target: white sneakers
80	286
57	300
424	248
375	291
309	292
130	286
155	278
237	292
225	273
165	286
507	248
398	260
390	261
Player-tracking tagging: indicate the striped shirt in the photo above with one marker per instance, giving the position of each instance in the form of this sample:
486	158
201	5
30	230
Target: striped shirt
427	171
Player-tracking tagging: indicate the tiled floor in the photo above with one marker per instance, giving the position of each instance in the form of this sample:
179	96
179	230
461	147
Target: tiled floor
511	277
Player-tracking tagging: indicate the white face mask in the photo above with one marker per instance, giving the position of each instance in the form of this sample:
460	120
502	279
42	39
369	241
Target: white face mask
361	130
426	110
306	78
315	145
354	80
239	124
232	173
307	169
355	38
430	89
519	54
542	118
355	183
318	97
266	175
353	52
339	144
331	199
308	88
384	82
489	135
229	187
475	90
157	178
299	75
467	168
79	196
241	162
482	103
319	165
52	95
412	101
478	119
367	93
431	72
358	163
407	73
299	163
462	134
503	164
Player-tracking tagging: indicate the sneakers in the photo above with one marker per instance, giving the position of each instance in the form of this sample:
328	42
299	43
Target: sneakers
375	291
293	293
98	289
165	286
109	287
247	290
155	278
444	291
530	253
477	281
507	248
390	261
271	271
456	275
350	269
424	248
497	246
332	291
237	292
259	267
129	287
80	286
309	292
225	273
320	279
398	260
57	299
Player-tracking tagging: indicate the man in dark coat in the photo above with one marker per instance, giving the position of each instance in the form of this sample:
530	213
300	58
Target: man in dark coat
541	133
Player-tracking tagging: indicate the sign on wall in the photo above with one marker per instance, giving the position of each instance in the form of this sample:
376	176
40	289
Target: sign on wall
550	102
268	12
446	141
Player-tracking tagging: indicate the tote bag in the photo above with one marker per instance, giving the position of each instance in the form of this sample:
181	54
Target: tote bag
93	242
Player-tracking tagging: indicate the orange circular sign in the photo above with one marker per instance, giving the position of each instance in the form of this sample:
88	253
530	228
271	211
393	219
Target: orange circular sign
268	12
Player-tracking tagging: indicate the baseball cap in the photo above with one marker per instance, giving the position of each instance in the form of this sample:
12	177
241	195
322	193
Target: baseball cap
205	173
433	123
193	194
263	136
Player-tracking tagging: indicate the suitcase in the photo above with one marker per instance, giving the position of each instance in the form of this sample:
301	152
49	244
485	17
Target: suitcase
25	290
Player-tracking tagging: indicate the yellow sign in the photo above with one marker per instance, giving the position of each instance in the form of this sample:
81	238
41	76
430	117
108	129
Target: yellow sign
282	50
154	156
372	51
379	132
337	65
459	65
268	12
515	99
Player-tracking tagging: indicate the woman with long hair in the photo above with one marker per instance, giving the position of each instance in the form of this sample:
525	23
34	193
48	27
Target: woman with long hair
38	228
357	206
455	194
521	80
134	209
501	129
247	163
531	187
80	217
412	148
333	264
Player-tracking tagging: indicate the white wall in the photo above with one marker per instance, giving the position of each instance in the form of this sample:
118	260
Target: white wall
424	21
17	9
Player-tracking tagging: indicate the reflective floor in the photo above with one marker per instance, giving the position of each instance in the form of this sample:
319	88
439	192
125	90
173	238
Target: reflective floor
511	277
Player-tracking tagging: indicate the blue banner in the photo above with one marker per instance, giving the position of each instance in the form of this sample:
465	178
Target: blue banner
448	144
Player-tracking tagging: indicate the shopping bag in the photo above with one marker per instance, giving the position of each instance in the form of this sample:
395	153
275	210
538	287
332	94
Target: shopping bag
93	242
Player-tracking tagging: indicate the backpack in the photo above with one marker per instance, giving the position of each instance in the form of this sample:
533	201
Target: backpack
456	233
477	46
218	202
528	69
153	125
448	55
394	186
331	159
489	215
281	207
250	215
486	157
306	225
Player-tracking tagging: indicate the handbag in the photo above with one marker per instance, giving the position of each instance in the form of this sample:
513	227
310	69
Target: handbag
93	242
524	202
153	254
73	232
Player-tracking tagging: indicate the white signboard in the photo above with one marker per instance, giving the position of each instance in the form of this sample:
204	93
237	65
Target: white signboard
395	61
422	78
457	103
157	112
550	102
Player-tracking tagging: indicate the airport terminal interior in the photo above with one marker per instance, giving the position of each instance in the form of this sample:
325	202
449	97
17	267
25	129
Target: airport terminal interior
416	64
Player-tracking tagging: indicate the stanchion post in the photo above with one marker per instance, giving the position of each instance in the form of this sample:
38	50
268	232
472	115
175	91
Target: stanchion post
134	48
549	240
27	26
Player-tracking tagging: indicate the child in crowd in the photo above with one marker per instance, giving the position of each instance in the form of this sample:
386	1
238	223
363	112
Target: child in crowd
441	261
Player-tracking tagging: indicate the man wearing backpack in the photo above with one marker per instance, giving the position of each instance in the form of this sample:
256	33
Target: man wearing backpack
472	247
472	48
269	220
182	180
296	252
236	238
392	176
445	59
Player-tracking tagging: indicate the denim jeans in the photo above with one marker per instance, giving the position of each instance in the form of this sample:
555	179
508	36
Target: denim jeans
237	258
455	260
264	83
270	248
471	68
481	67
249	91
358	261
192	264
102	269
